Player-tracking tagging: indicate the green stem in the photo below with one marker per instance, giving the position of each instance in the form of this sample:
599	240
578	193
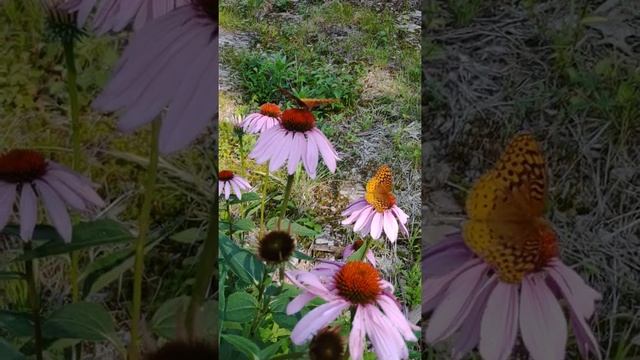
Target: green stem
34	299
285	201
143	230
242	156
230	220
263	200
261	288
207	265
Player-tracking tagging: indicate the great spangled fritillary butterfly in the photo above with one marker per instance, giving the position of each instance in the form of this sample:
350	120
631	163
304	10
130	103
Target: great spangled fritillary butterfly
505	207
307	104
378	190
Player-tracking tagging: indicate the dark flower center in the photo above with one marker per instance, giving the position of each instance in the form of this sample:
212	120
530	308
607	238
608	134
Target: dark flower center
299	120
358	282
192	350
225	175
276	246
270	109
208	7
19	166
357	244
327	345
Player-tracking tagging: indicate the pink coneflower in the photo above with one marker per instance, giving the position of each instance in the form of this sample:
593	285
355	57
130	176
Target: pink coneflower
377	211
266	118
115	15
471	303
356	285
295	139
350	249
170	63
228	181
28	173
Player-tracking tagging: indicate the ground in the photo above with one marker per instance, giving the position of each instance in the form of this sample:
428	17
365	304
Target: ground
568	73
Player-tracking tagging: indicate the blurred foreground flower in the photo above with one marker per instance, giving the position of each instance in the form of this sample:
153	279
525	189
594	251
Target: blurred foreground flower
170	63
471	302
28	173
327	345
276	247
377	211
228	181
266	118
115	15
295	139
188	350
356	285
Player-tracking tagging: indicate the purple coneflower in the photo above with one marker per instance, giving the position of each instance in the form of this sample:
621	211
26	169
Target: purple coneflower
170	63
356	285
471	303
350	249
228	181
266	118
115	15
28	173
377	211
295	139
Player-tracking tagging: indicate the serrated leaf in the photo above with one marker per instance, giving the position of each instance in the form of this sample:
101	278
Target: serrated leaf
241	307
85	235
241	262
243	345
296	229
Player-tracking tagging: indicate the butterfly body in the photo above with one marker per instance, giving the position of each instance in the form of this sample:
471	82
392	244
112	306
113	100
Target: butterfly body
378	190
506	226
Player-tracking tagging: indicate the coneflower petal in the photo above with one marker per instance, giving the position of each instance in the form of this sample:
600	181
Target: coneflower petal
28	212
390	226
542	323
391	310
499	327
356	336
299	302
316	319
65	193
311	157
56	210
376	225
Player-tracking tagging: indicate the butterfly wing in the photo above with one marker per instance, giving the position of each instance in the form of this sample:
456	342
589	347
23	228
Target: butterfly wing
313	103
294	98
378	190
505	208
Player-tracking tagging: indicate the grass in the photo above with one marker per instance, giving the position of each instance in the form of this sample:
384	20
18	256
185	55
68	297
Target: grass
361	56
543	68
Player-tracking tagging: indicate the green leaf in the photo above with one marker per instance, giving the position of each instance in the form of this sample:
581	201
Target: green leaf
302	256
269	351
16	323
358	255
241	262
163	322
239	225
189	236
11	275
82	320
9	352
250	196
297	229
241	307
40	233
85	235
243	345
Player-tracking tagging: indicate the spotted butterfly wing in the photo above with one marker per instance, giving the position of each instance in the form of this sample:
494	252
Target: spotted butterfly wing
505	209
378	190
307	104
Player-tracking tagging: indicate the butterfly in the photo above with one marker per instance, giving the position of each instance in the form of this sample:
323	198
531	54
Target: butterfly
307	104
505	207
378	189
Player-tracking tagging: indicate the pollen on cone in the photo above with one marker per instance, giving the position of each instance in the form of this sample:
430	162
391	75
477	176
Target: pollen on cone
359	282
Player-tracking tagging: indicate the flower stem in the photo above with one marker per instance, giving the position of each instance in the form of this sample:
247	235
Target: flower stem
261	288
143	230
242	155
229	220
285	201
263	200
34	299
207	264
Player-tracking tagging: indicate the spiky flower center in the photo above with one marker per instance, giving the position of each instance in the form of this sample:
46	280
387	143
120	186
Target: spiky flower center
271	110
277	246
18	166
327	345
225	175
299	120
358	282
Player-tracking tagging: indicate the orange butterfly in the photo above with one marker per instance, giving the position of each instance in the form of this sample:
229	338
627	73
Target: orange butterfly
307	104
378	190
505	207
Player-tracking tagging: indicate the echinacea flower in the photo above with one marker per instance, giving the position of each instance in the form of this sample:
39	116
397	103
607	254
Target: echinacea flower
295	139
171	63
29	174
377	211
327	345
353	285
474	305
228	181
351	248
276	247
266	118
115	15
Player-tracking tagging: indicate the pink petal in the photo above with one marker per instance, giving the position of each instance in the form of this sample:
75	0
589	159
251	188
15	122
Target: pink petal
326	149
310	160
500	322
376	225
28	212
574	288
299	302
356	337
542	323
316	319
390	226
386	340
364	219
469	335
297	152
398	320
56	210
